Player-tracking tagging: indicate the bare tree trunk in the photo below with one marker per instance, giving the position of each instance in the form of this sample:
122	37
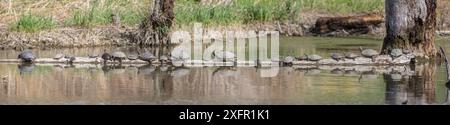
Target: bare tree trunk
411	24
155	28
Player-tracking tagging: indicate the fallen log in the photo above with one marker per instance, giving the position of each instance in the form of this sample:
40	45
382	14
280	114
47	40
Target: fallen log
379	60
360	24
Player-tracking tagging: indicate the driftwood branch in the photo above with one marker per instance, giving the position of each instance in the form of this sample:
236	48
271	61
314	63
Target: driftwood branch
447	84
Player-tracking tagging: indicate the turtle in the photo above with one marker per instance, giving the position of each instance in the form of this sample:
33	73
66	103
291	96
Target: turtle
26	56
314	57
58	56
164	59
350	55
224	55
71	59
288	60
395	53
337	56
118	55
302	57
106	56
147	56
370	53
132	57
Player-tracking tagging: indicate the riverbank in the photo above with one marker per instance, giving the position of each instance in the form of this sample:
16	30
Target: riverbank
87	24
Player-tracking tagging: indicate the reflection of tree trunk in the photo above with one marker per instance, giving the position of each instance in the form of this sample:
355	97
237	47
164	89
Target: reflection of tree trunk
167	86
416	89
155	28
411	24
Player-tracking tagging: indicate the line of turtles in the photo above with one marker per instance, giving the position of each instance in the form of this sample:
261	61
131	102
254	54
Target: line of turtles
27	56
368	53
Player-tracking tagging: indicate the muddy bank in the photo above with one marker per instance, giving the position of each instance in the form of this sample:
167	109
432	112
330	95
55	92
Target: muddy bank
111	36
72	37
65	38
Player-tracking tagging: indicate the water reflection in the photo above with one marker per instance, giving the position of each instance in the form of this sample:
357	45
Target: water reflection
416	89
147	84
26	68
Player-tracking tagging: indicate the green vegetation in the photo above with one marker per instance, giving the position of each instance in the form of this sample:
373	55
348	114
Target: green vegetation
132	12
32	23
101	13
242	11
342	6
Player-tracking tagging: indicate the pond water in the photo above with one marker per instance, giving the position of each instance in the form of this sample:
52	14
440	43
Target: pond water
146	84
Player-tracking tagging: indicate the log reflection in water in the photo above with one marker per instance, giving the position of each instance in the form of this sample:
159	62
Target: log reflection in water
147	84
418	89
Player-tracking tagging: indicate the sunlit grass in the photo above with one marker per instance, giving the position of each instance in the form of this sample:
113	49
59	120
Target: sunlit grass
29	22
342	6
101	13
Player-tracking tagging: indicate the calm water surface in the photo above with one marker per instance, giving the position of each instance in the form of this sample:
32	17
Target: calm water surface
145	84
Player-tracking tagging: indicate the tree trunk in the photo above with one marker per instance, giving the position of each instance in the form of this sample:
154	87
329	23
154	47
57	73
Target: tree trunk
411	24
155	28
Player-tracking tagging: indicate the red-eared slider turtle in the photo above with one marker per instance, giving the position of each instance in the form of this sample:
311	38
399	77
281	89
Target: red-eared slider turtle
132	57
350	55
337	56
26	56
118	55
288	60
58	56
314	57
224	55
302	57
147	56
396	53
106	56
369	53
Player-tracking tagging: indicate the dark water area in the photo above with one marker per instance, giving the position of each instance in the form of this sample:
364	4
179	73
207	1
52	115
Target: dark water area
147	84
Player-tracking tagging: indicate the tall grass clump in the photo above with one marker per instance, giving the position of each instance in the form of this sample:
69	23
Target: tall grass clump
100	13
29	22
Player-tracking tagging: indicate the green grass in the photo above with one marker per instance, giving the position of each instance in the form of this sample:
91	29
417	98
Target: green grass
342	6
102	14
132	12
248	11
32	23
242	11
